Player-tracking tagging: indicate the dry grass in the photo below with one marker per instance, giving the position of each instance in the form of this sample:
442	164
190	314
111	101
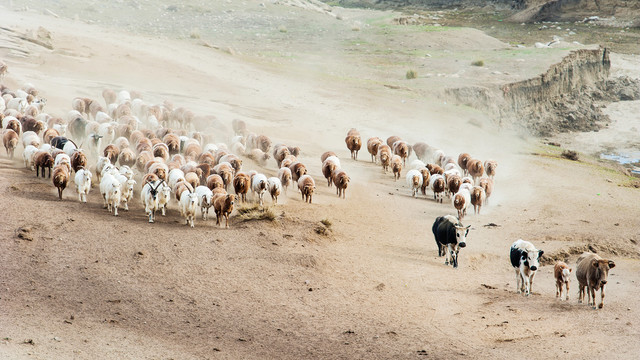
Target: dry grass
570	154
478	63
255	212
326	222
194	33
412	74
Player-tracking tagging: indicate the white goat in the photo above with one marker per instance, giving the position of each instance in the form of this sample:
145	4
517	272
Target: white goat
259	186
205	200
111	193
188	206
83	184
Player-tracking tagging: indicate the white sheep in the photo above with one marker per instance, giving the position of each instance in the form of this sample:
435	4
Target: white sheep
28	154
111	192
188	206
205	200
175	176
126	171
274	187
126	190
414	181
417	164
284	174
164	196
461	201
30	138
63	159
259	187
83	184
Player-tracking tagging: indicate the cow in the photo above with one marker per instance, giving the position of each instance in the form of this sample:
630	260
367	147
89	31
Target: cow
562	273
525	260
450	235
592	272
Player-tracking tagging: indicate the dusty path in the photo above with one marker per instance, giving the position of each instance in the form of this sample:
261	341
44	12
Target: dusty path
87	285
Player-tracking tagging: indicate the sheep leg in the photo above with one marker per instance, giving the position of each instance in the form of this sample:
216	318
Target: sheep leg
115	212
126	205
60	193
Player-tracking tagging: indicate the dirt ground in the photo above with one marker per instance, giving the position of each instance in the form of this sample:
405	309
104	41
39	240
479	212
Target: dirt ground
77	282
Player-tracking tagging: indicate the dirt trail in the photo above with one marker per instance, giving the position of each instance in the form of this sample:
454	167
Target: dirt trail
80	283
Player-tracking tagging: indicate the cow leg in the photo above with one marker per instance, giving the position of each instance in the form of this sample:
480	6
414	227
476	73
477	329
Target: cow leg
533	274
558	289
518	288
567	283
580	293
601	298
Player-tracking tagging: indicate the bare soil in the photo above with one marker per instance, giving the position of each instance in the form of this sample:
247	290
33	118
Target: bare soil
77	282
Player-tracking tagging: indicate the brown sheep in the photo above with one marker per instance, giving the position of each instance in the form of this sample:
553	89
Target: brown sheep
487	185
219	154
15	126
490	168
44	160
294	150
426	177
78	161
150	178
111	152
142	159
127	157
49	134
235	161
239	126
259	156
297	170
326	154
392	139
372	146
205	171
437	186
122	110
215	181
161	150
10	140
207	158
192	150
401	148
226	173
109	96
31	124
193	179
124	130
328	167
396	166
81	105
307	186
341	179
60	178
136	136
476	169
279	153
435	169
173	143
223	206
158	168
263	143
180	187
241	185
477	198
463	159
284	174
121	142
422	151
453	184
354	143
353	132
384	155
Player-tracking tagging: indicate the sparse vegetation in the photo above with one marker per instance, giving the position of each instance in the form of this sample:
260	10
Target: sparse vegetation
194	33
479	63
326	222
255	212
570	154
412	74
282	29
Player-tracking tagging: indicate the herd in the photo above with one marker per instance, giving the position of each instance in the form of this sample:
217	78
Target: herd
126	135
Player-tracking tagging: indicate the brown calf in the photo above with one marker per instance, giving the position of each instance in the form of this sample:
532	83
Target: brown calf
562	273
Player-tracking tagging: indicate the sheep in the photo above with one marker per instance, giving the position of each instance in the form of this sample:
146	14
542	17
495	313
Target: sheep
259	156
487	185
294	150
214	181
239	148
438	157
284	174
205	200
435	169
10	140
62	159
126	190
417	164
327	154
307	186
401	148
60	179
83	184
159	169
110	188
330	165
279	153
111	152
239	126
341	180
192	178
372	146
241	185
463	160
232	159
384	156
437	185
173	143
142	159
81	105
78	161
28	155
223	206
477	198
181	187
175	176
263	143
12	124
259	187
127	157
207	158
476	169
49	134
490	168
30	138
164	196
274	187
44	160
453	182
150	198
461	201
60	128
161	150
414	181
188	206
426	177
297	170
225	170
109	96
354	143
396	166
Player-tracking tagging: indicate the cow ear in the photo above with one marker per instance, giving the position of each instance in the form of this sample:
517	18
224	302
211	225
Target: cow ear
611	264
594	262
540	253
570	269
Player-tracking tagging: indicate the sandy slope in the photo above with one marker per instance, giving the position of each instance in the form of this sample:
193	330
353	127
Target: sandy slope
89	285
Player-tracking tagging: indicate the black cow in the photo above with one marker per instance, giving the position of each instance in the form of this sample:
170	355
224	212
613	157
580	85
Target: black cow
525	261
450	235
